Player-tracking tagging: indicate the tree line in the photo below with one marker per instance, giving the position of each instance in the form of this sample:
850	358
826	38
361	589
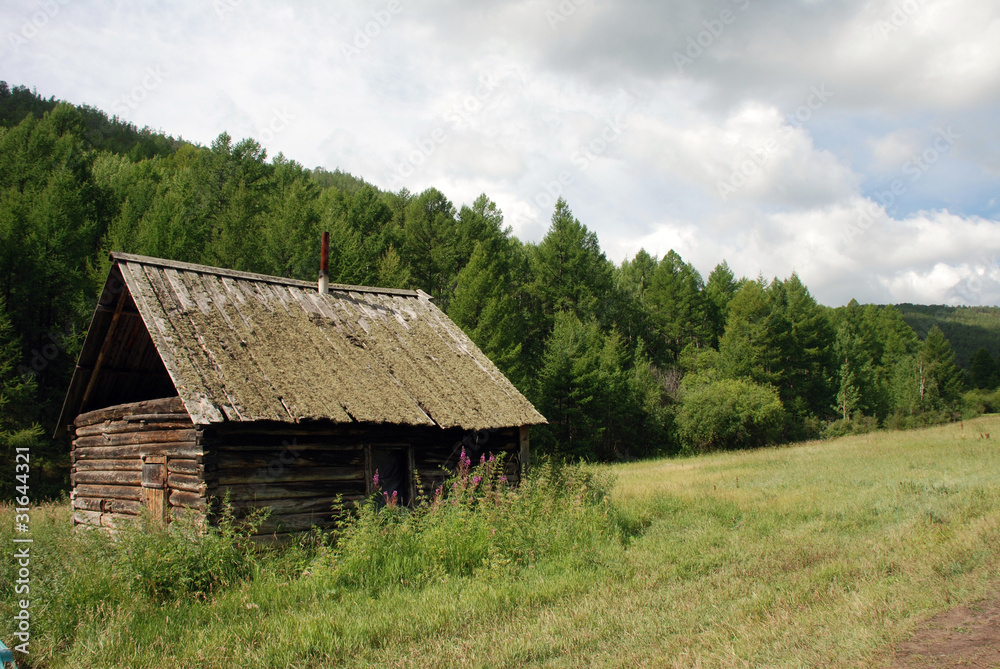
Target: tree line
625	360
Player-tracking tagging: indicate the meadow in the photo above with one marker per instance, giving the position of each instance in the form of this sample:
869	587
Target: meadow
823	553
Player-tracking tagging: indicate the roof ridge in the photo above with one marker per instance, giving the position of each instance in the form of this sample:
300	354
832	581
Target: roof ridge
119	256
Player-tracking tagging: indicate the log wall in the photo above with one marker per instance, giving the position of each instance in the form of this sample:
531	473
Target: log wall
130	455
298	471
149	454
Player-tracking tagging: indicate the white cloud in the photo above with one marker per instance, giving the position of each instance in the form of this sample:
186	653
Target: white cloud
364	87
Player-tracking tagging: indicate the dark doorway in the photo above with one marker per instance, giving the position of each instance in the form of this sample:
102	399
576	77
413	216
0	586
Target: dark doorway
393	468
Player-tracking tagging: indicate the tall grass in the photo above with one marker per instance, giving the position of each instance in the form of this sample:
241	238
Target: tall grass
822	554
474	525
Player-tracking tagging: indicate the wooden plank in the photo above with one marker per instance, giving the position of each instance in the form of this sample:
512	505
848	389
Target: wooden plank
295	505
174	422
296	490
179	289
274	461
108	491
81	454
237	476
268	446
187	450
125	478
87	503
186	467
164	405
112	505
155	499
190	500
319	428
117	465
186	483
149	435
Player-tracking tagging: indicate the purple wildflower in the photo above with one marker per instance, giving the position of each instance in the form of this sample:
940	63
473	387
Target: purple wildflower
375	479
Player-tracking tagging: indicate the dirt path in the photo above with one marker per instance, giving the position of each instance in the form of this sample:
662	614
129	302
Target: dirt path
967	636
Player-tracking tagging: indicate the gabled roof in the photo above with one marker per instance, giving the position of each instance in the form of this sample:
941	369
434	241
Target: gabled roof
246	347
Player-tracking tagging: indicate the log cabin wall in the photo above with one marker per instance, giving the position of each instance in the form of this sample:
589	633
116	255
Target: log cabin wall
295	470
132	455
298	471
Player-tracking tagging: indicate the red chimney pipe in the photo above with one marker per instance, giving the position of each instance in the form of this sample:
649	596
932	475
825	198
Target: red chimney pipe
323	285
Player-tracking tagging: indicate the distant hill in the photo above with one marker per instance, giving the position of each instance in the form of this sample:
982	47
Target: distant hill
99	130
967	328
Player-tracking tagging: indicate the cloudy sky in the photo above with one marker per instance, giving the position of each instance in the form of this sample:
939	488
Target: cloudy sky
855	142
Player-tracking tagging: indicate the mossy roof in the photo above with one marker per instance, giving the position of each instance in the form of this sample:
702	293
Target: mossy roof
249	347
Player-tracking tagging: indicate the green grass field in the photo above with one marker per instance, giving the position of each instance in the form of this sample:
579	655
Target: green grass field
821	554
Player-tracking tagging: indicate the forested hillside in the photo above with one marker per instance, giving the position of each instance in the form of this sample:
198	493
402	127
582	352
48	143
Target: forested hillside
969	329
624	360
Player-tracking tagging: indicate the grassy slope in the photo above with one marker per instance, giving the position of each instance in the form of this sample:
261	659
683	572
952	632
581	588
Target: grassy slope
820	554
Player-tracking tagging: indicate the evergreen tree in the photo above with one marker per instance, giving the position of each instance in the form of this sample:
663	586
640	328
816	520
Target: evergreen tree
361	232
849	396
429	243
17	397
748	348
940	378
234	182
292	231
809	364
570	271
857	351
630	310
719	291
485	307
678	309
983	371
570	388
482	223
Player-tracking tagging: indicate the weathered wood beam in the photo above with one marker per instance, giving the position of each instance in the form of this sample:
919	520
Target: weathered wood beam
304	475
108	491
161	421
186	449
107	465
142	435
119	411
104	477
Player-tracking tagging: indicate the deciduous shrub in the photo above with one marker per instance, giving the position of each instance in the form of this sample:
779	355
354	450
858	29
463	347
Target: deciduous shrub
729	414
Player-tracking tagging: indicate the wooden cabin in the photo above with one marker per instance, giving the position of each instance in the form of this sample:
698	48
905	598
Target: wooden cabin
195	382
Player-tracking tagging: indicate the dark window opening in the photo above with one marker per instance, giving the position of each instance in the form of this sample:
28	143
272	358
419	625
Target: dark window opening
392	467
